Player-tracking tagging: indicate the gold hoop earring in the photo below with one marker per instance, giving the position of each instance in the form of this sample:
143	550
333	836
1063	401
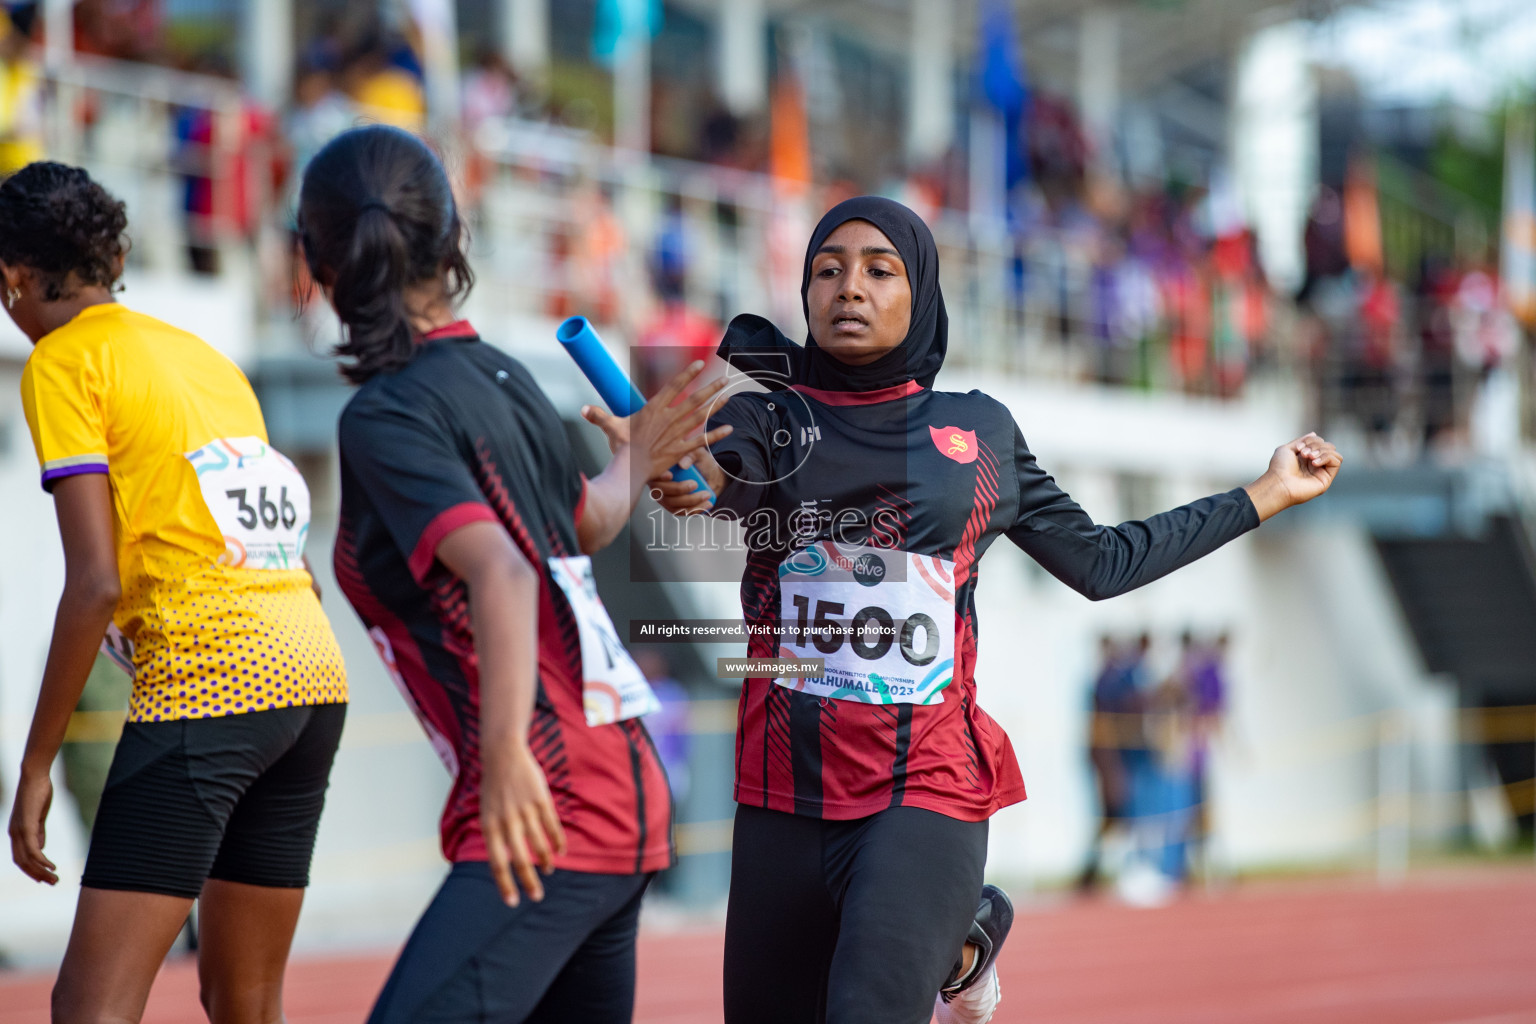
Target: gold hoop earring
11	295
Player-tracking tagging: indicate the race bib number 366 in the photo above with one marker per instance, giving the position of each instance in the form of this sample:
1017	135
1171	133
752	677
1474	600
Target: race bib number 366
612	686
258	499
883	620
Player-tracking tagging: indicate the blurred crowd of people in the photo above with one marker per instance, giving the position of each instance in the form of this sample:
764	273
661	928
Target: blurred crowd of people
1155	286
1426	359
1161	296
1149	745
1136	285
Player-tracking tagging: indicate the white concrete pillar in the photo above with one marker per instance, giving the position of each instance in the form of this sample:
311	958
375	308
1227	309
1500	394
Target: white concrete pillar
437	21
632	93
266	51
62	133
1098	79
525	36
1272	142
988	137
59	28
742	55
930	77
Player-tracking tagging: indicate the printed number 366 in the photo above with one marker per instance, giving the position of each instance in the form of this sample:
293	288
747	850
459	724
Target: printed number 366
265	511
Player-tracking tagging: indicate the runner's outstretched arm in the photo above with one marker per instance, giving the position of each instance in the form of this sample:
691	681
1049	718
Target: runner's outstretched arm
1105	561
91	590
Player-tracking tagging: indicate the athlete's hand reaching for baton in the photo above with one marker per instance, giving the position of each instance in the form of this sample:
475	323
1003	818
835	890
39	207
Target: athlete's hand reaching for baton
1298	472
645	446
683	497
518	821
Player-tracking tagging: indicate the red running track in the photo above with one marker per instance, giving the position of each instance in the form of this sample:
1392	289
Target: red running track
1444	949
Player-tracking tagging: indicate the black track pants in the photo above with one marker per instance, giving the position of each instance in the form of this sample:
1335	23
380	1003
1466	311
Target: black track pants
474	960
847	922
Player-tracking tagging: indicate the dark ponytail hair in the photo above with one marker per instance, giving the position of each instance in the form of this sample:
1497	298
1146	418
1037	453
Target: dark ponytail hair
56	220
376	215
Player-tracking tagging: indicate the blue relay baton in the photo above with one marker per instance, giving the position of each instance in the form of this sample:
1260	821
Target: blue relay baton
612	383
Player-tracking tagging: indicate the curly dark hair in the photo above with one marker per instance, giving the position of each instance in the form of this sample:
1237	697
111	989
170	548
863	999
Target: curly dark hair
376	215
56	220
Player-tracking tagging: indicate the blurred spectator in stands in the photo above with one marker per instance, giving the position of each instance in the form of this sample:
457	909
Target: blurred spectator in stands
232	164
1323	242
1240	313
1140	316
21	114
596	251
1487	340
1104	311
1116	742
1163	790
321	111
1124	309
384	78
720	138
676	335
1204	669
1371	371
490	90
490	97
1485	331
195	155
1433	294
121	29
1187	298
1058	146
325	48
671	250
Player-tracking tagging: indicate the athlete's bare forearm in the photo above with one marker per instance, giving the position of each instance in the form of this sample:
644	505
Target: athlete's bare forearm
91	591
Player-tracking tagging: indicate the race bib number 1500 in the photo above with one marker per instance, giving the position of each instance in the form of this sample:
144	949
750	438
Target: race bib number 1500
883	620
258	499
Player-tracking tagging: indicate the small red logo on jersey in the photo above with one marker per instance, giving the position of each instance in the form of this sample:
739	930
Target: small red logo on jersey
958	444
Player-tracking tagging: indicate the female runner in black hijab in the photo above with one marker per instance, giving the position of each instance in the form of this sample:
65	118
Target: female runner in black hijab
868	500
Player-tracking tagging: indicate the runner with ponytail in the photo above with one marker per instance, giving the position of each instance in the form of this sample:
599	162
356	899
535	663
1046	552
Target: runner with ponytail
465	526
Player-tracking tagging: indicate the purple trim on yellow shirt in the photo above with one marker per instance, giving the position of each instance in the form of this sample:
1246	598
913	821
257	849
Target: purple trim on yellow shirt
50	476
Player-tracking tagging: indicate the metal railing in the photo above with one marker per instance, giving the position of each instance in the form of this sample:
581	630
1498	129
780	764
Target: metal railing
562	223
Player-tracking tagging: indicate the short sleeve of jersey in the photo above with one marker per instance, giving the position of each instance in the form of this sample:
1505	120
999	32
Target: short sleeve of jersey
743	455
414	479
65	397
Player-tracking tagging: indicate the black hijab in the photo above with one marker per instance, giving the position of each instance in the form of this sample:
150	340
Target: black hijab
757	347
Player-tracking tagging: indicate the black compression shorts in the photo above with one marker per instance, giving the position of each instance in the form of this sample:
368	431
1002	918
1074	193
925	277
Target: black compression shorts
847	922
236	798
471	958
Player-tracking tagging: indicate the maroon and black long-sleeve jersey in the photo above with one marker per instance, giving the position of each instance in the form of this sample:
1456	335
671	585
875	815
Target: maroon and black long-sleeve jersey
936	474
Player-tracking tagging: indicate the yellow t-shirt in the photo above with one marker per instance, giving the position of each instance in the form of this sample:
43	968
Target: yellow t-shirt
393	97
209	520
